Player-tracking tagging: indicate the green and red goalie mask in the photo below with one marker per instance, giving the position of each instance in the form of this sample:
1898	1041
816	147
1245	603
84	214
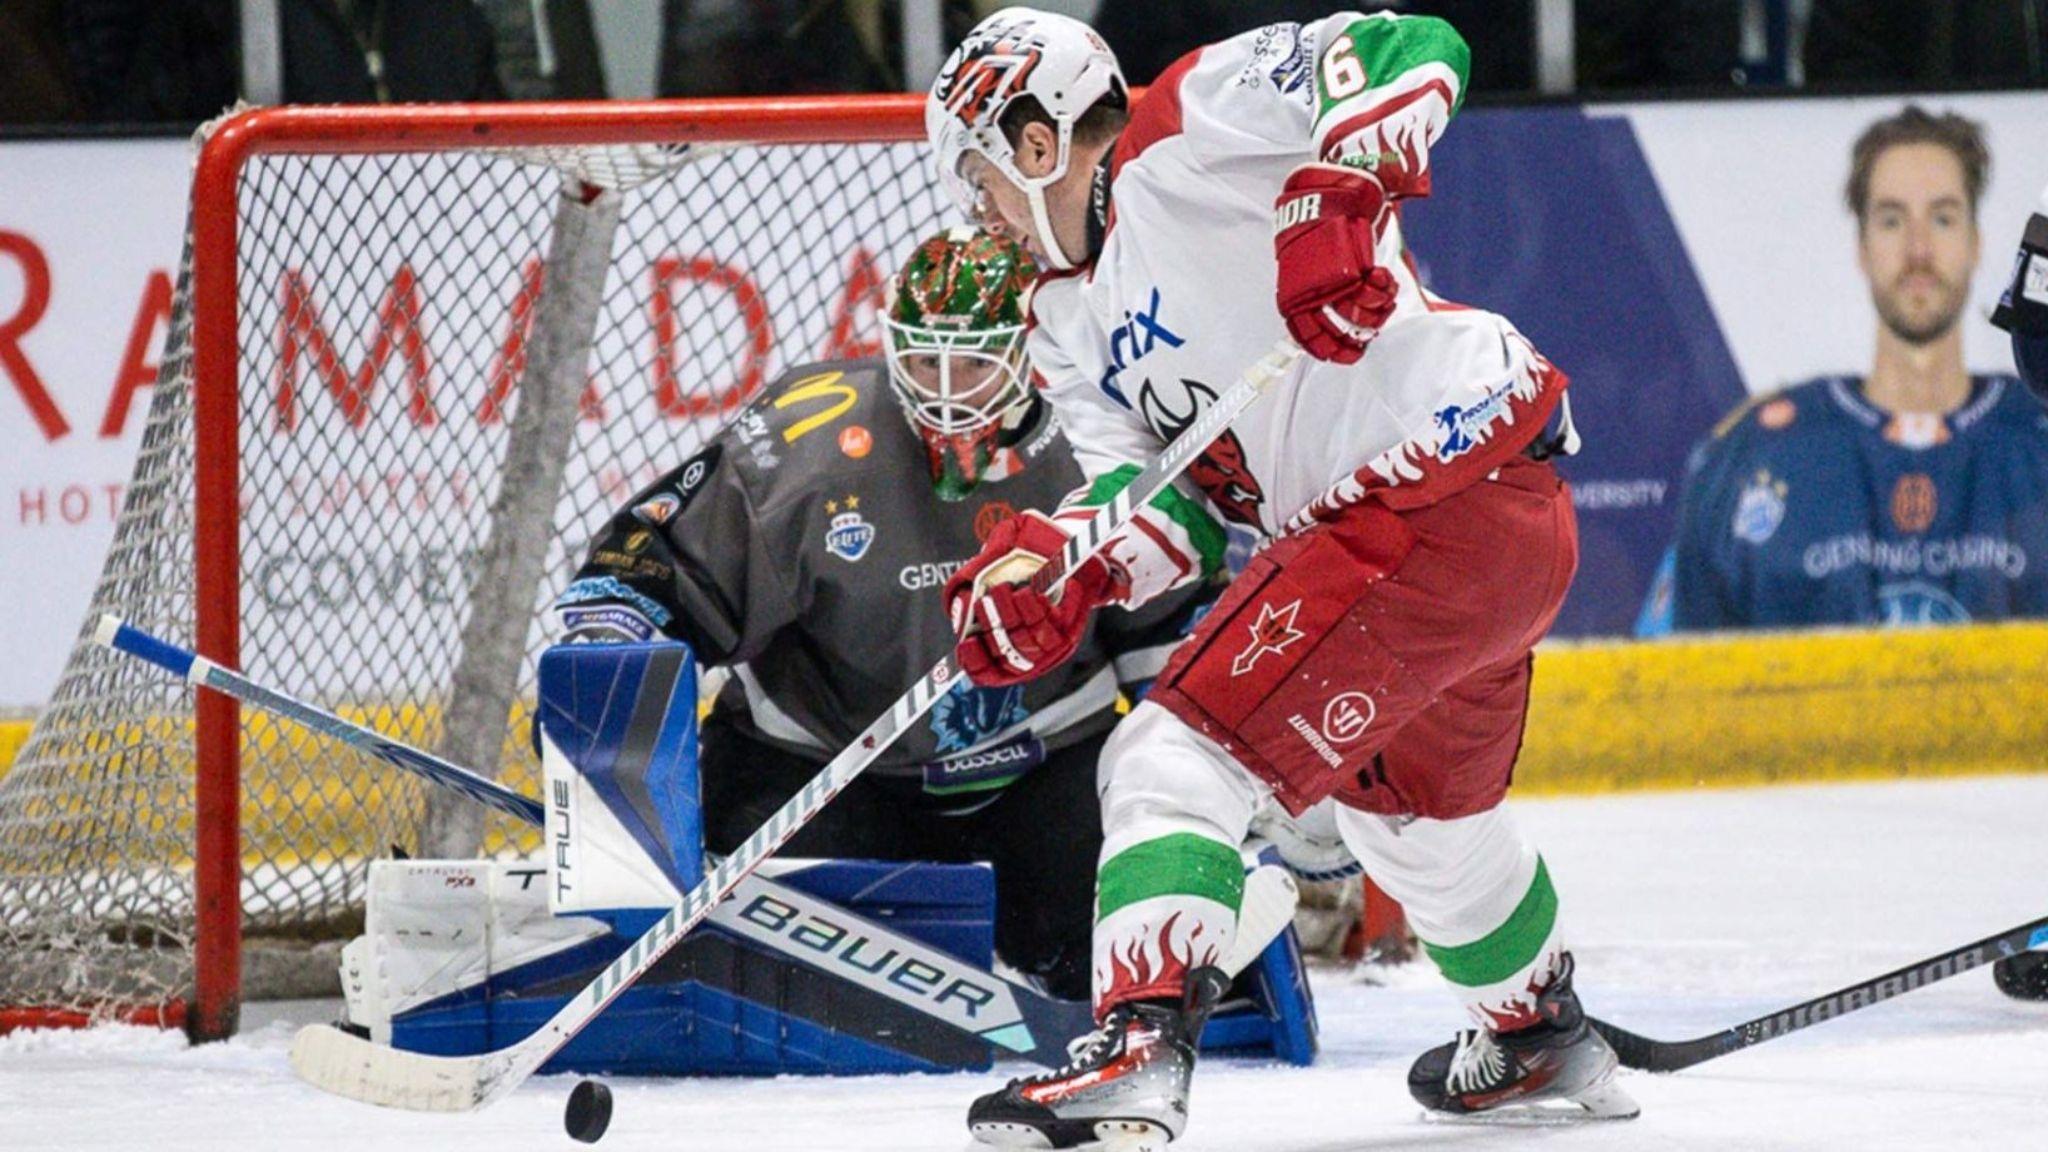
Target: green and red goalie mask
956	351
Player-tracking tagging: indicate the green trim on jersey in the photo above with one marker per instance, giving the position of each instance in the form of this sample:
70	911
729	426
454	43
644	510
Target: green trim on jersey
1389	47
1507	949
1205	535
1183	864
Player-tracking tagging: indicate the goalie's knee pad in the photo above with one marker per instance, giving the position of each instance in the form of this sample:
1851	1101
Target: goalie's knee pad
618	736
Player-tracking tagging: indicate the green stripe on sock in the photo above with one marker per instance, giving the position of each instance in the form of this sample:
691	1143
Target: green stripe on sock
1182	864
1507	949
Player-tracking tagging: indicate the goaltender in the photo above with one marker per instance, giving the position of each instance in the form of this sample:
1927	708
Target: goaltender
804	549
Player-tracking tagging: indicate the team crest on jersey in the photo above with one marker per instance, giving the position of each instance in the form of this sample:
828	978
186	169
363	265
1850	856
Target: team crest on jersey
1224	476
1914	502
1273	632
1759	509
968	715
848	534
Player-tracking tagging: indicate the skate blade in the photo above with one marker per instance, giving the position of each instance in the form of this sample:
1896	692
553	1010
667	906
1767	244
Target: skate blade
1110	1136
1131	1136
1602	1102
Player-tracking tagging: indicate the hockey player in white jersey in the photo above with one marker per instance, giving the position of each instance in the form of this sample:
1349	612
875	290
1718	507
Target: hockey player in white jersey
1416	545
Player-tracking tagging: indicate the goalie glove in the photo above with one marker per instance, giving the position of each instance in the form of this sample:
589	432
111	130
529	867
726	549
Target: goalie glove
1332	295
1009	630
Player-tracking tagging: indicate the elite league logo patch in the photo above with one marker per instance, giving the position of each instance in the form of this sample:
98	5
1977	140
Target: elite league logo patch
849	533
1272	632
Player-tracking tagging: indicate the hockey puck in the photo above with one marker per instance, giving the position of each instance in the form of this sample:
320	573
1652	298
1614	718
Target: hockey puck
589	1112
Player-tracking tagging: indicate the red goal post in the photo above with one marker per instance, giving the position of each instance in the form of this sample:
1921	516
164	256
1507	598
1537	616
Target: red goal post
630	272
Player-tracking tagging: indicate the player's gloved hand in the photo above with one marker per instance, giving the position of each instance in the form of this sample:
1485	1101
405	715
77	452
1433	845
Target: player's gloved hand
1009	631
1332	295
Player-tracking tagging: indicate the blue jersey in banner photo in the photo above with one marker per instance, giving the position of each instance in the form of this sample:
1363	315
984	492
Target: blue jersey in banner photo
1811	506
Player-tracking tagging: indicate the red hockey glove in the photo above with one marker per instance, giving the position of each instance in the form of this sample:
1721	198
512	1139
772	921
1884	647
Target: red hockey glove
1009	631
1332	295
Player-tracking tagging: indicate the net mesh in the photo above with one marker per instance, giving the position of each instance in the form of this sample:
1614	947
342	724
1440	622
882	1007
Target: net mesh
386	309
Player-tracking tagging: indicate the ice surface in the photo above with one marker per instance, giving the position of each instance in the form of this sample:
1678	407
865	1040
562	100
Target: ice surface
1690	912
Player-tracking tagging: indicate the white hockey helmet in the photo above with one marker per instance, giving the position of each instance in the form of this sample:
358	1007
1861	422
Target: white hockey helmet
1016	52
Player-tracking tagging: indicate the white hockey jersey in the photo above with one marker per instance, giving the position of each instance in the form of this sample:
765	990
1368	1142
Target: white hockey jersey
1181	299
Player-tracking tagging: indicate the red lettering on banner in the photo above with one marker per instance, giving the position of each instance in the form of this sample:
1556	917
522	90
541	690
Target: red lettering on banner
136	371
668	388
398	331
74	504
510	362
865	287
35	274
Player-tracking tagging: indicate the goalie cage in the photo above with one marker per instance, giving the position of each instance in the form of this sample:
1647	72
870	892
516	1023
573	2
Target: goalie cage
417	356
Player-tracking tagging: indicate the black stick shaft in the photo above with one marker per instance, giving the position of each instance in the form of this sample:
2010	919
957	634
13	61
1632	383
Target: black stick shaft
1649	1055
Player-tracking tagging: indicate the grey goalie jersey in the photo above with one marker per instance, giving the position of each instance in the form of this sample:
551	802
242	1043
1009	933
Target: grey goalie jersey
806	549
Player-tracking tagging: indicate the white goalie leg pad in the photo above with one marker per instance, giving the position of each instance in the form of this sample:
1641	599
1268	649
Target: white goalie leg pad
433	928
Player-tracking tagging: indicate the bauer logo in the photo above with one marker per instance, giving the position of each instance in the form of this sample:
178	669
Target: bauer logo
849	536
1348	716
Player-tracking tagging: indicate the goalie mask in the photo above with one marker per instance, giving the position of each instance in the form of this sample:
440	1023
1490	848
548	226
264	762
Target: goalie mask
1057	60
956	351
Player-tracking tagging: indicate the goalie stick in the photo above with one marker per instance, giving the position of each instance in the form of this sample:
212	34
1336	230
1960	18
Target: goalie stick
1014	1017
1645	1054
346	1065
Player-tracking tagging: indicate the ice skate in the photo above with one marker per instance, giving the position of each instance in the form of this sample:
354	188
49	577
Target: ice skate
1125	1089
1557	1070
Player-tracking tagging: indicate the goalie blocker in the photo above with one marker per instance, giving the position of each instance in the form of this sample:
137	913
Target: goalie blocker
796	973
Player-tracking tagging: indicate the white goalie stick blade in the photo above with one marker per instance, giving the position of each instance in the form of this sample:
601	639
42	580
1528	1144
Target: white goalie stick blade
348	1065
1266	910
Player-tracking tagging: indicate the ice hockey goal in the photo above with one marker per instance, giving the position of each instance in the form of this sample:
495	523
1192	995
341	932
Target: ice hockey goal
417	355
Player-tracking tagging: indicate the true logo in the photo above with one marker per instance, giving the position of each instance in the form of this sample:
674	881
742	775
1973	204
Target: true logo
1273	632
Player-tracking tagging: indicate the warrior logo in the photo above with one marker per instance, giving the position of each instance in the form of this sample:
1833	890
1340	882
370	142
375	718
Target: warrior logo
1347	717
1273	632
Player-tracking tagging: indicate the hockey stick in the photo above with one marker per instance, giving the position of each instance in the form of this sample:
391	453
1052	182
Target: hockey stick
347	1065
979	1004
1649	1055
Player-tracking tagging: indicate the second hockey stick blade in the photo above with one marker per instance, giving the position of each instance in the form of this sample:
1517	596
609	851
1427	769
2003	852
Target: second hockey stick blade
1645	1054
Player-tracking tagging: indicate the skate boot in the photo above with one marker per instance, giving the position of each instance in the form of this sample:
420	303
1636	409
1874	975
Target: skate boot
1553	1071
2023	977
1125	1086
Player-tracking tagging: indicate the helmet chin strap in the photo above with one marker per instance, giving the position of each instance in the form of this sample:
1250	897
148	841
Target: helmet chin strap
1054	254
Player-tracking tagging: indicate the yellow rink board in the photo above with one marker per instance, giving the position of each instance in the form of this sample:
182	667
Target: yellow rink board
1787	708
1604	716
